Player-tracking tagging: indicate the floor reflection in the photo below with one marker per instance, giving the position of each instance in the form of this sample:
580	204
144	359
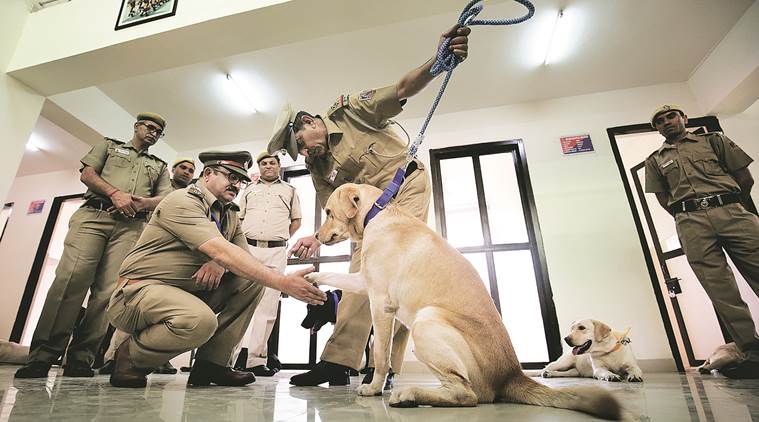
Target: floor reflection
662	397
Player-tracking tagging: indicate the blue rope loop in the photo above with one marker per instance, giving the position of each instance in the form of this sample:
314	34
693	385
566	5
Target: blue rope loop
446	61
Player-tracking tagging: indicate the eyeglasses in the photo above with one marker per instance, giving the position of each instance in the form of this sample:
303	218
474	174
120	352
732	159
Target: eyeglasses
233	178
154	129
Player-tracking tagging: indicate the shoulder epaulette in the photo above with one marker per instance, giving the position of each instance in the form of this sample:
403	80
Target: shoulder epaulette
114	140
342	101
195	190
159	159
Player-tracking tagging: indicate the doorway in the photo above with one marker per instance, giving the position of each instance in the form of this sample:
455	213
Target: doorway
692	326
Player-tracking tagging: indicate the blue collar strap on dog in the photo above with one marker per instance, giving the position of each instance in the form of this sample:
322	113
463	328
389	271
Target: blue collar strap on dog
388	194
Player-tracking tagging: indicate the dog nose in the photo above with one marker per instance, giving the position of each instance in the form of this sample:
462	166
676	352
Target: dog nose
566	339
316	235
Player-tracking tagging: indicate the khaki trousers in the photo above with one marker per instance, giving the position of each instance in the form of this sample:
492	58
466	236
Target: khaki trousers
165	321
94	248
257	335
704	234
354	318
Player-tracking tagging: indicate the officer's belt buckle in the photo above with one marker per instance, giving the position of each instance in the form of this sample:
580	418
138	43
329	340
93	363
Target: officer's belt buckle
262	243
704	203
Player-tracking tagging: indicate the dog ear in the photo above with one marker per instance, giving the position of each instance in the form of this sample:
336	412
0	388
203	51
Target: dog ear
600	330
351	195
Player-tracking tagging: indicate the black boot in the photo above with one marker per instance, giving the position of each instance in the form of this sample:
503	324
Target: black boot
388	381
34	369
323	372
78	370
107	368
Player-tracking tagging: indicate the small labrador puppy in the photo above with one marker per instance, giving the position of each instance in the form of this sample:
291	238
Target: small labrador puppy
597	352
414	277
726	355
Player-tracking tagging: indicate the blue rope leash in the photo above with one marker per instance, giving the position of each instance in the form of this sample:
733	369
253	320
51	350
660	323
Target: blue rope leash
445	61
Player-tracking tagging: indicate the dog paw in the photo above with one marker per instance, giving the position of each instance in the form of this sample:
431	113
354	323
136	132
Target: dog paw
402	398
367	390
609	377
546	374
313	278
634	378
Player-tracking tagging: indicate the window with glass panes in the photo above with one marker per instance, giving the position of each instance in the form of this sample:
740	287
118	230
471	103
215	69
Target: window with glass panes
484	207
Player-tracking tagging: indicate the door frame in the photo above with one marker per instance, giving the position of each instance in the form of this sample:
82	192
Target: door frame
39	261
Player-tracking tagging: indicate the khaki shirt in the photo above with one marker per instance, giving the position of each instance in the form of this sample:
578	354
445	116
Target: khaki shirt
266	210
698	166
119	164
168	247
363	148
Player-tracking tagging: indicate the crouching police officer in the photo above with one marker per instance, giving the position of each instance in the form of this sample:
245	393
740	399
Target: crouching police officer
701	180
190	281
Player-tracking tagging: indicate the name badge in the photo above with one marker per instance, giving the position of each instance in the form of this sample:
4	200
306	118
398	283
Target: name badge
332	176
122	151
665	165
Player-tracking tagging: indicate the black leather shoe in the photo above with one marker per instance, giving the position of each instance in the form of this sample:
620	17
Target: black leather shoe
34	369
166	368
747	369
125	373
206	373
272	361
388	381
261	371
323	372
78	370
107	368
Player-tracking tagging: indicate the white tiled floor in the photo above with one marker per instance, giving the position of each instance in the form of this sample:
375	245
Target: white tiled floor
662	397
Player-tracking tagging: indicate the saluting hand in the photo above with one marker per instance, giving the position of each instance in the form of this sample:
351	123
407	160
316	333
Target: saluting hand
305	247
123	203
298	287
209	275
459	41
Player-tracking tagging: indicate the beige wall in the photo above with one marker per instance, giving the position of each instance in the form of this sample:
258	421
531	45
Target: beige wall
23	233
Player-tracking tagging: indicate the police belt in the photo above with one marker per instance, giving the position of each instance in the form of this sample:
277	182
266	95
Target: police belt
690	205
103	205
267	243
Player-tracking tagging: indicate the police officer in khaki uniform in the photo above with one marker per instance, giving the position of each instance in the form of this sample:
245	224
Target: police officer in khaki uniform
182	172
353	142
124	183
270	214
702	180
173	284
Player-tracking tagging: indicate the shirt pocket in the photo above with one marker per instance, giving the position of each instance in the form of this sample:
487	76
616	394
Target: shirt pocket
118	160
153	172
672	174
709	166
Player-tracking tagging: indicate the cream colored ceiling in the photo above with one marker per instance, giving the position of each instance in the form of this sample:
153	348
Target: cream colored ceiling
619	44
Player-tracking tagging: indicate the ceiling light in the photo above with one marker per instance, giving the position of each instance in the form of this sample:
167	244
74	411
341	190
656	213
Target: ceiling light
243	95
557	31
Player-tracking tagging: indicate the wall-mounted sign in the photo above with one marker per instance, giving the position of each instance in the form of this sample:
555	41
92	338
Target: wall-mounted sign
35	207
576	144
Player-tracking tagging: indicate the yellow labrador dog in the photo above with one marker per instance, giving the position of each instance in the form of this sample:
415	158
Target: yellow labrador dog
413	275
597	352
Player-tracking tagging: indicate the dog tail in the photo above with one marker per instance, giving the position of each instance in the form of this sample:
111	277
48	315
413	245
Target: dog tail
593	400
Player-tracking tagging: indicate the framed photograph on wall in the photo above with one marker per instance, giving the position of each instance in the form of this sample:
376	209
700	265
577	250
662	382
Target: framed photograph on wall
135	12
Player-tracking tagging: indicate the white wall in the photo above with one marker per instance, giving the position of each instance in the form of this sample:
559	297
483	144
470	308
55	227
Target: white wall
23	233
19	105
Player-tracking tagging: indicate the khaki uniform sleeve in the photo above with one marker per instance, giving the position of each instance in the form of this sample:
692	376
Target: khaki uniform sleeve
730	155
295	212
375	106
243	203
163	185
97	157
654	180
185	218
